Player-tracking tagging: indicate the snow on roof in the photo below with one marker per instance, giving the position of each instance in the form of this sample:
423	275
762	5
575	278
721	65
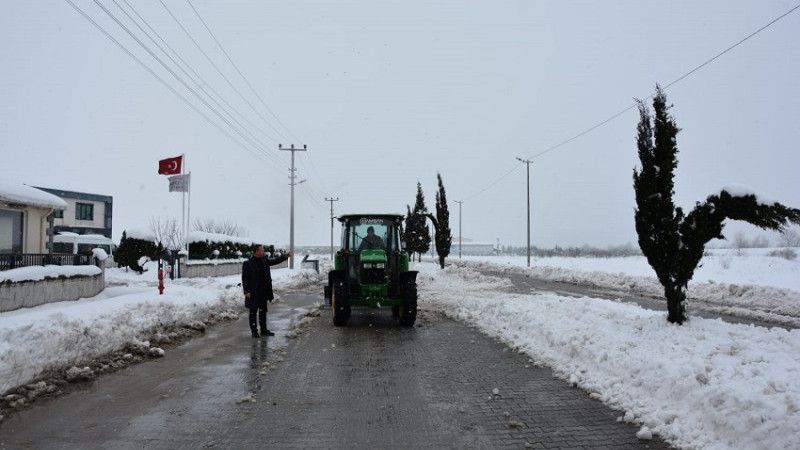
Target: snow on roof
12	192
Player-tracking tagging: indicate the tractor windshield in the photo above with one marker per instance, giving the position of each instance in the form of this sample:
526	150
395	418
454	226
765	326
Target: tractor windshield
370	233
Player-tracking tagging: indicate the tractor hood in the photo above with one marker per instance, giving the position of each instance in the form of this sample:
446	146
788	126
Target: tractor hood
373	256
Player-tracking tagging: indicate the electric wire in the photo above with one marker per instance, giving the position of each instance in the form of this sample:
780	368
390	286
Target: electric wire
222	74
679	79
202	81
313	172
502	177
197	80
161	80
258	96
172	72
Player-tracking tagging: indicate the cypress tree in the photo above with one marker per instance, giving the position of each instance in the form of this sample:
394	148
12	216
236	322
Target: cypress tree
444	237
417	233
672	242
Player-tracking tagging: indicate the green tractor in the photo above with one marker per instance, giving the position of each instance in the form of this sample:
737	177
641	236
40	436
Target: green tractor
371	269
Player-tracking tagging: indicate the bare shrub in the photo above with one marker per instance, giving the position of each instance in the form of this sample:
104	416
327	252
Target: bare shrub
786	253
790	237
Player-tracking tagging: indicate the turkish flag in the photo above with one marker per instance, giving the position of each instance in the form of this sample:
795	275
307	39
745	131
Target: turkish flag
170	166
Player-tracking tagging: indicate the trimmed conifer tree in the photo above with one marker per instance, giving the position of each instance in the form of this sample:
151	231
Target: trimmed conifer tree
131	249
444	237
408	233
417	233
672	242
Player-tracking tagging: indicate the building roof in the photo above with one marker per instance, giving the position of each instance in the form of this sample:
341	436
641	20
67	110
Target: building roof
11	192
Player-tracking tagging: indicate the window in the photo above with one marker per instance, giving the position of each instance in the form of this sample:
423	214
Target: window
84	211
10	231
62	247
58	214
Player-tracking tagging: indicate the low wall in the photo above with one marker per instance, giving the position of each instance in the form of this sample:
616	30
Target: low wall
26	294
201	269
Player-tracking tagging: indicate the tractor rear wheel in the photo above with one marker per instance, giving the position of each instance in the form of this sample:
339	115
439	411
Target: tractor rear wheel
339	305
408	311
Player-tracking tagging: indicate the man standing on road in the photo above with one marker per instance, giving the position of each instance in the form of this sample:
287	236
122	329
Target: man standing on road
257	285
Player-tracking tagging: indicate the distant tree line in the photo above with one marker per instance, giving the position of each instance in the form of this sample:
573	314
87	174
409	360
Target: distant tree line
572	252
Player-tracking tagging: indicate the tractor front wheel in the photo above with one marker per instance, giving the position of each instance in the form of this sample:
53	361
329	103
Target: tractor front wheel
408	311
339	305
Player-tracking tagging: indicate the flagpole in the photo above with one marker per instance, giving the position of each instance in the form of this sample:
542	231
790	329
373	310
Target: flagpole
183	206
188	213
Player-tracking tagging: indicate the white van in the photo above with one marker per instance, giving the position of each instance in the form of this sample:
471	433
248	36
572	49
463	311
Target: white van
76	244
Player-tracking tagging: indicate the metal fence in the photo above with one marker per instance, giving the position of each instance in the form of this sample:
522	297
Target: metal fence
10	261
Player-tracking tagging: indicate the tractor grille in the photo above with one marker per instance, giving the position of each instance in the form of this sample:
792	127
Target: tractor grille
373	276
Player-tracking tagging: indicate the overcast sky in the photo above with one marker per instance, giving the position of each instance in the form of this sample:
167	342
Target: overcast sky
387	94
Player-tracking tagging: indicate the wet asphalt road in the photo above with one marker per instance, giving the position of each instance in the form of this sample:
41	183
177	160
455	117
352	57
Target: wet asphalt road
372	384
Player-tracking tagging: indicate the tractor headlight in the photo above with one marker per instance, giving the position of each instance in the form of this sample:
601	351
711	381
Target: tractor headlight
380	265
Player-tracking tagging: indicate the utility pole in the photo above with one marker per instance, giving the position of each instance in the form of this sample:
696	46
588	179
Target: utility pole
292	177
331	200
528	164
459	227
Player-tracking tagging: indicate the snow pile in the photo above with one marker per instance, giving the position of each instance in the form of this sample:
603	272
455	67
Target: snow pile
58	335
707	384
36	273
747	283
142	234
99	253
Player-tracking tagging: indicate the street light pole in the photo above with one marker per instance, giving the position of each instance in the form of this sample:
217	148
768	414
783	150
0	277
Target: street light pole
459	227
331	200
528	164
292	177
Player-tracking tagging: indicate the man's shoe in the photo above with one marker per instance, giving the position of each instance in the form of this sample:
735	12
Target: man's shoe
267	333
254	333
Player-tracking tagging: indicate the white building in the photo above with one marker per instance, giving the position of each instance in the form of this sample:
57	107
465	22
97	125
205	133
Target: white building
85	213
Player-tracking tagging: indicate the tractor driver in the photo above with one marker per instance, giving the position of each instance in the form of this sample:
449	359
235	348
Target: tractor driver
371	240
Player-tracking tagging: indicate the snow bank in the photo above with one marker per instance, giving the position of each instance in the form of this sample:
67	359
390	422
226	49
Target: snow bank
36	273
707	384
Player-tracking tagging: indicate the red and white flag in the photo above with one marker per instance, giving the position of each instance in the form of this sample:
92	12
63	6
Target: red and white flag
170	166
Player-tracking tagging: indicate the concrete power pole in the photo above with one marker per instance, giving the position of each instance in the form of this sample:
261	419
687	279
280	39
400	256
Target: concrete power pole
528	164
292	176
331	200
459	227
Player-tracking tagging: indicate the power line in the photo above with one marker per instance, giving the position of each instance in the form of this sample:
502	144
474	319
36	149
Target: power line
252	139
516	166
159	78
670	84
240	72
202	82
219	71
582	133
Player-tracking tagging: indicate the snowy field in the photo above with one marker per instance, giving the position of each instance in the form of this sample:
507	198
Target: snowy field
707	384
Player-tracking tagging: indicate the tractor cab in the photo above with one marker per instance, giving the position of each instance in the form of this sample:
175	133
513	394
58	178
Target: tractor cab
371	268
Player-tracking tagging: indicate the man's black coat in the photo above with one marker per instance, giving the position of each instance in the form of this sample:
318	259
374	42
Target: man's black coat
257	280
